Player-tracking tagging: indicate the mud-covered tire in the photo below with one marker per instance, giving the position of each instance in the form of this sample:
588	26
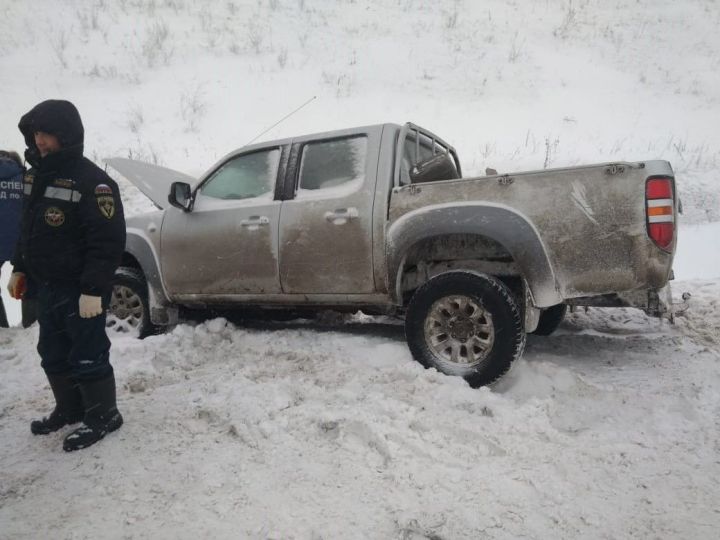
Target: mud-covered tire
465	324
129	310
550	319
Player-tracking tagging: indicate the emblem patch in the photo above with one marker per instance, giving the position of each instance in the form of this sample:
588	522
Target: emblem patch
103	189
107	206
54	216
29	178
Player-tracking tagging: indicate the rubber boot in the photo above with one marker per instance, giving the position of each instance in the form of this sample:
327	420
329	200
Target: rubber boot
101	414
68	405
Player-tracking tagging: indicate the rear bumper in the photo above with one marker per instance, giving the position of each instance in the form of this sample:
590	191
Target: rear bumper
654	302
660	304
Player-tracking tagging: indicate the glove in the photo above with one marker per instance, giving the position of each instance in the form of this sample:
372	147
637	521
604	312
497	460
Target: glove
17	286
90	306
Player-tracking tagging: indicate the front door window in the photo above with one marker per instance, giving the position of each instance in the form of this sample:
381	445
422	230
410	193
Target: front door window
245	177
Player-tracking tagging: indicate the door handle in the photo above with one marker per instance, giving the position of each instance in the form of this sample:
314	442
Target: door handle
253	223
341	216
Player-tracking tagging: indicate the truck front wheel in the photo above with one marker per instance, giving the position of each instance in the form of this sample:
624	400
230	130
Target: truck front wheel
465	324
129	311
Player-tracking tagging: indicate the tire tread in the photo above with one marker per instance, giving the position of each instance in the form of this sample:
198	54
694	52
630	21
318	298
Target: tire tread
497	368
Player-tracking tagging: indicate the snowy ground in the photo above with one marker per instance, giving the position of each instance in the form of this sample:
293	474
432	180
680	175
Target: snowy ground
607	429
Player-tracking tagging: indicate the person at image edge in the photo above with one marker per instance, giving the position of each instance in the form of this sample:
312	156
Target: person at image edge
72	236
11	172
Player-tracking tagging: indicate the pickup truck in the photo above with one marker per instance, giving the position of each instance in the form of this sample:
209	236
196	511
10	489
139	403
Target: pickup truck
379	219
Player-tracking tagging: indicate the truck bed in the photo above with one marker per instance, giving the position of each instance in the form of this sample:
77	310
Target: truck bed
591	220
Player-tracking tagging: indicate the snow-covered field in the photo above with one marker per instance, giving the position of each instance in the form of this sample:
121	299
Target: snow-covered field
299	430
608	429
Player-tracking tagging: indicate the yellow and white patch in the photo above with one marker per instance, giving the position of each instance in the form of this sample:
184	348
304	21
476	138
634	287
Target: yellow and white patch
107	206
54	216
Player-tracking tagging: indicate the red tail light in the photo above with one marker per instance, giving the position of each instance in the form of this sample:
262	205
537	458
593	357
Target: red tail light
660	211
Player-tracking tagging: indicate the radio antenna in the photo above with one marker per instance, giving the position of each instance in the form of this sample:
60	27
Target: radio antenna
278	122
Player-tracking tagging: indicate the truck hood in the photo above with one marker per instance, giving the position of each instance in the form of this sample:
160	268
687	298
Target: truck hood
154	181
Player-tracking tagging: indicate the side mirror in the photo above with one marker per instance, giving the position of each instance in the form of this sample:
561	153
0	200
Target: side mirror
180	196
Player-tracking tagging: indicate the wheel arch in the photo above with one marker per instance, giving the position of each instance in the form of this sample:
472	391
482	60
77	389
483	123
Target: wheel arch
139	254
490	233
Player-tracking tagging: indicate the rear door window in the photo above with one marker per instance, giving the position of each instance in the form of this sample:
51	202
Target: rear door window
336	164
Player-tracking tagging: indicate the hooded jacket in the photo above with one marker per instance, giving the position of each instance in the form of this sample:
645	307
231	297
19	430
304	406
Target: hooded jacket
11	175
73	226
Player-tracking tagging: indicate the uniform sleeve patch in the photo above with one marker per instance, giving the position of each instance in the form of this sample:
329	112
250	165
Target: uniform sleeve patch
29	178
103	189
107	206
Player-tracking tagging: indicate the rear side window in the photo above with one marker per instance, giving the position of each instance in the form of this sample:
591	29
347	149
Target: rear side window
415	153
244	177
424	160
330	164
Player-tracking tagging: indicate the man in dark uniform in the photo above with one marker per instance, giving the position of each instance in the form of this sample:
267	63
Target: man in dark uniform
72	237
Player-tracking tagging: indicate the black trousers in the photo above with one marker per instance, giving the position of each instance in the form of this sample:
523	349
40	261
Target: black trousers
68	343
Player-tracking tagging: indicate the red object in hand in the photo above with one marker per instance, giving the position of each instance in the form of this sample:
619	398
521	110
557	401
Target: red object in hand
18	286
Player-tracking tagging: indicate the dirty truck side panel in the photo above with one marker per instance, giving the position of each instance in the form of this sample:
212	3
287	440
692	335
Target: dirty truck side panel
502	224
326	229
205	252
381	207
591	222
228	243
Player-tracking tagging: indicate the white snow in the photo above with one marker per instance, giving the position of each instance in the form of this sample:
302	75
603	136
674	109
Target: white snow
607	429
698	252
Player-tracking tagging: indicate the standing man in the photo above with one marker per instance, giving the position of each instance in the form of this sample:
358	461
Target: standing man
11	174
72	238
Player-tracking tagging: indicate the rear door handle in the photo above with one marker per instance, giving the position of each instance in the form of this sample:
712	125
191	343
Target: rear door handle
341	216
253	223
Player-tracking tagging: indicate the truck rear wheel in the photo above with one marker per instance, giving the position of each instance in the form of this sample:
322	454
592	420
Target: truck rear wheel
465	324
129	311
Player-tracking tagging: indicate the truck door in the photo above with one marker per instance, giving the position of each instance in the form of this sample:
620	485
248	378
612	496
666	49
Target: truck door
326	221
227	244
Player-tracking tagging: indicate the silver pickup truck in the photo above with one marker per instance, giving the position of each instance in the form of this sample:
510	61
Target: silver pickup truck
380	219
